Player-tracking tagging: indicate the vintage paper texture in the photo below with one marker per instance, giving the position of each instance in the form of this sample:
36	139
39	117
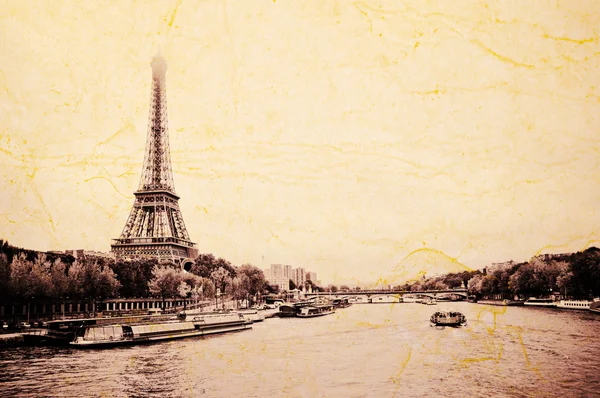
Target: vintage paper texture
368	140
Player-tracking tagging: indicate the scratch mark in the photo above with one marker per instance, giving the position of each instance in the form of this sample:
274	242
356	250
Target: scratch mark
366	14
174	13
111	183
396	379
502	57
581	41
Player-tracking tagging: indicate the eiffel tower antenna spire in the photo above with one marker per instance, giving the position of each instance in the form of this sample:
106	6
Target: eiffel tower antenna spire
155	226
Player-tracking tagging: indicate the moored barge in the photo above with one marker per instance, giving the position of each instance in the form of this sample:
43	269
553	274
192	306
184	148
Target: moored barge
100	336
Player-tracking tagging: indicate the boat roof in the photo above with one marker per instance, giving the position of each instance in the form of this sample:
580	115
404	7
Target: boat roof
116	319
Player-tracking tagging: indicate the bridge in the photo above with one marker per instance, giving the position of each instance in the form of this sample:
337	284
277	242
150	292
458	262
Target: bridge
368	293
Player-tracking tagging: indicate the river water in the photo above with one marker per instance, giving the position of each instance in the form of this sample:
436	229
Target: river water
374	350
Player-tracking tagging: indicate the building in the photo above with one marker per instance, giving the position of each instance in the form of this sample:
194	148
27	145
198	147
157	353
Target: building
287	272
280	275
155	226
299	276
81	253
275	276
311	276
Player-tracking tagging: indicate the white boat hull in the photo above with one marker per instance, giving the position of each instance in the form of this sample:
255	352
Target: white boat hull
574	304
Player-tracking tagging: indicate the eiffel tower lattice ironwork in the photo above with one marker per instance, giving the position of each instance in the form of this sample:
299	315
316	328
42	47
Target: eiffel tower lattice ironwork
155	226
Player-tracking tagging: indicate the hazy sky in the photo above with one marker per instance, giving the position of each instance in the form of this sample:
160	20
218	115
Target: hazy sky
343	137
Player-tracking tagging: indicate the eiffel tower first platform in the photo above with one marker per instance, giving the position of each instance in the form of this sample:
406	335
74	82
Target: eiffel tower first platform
155	226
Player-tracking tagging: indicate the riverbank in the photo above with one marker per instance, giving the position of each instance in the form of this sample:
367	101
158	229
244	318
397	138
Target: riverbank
11	340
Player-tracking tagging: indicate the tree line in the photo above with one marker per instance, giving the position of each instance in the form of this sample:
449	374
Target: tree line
28	275
575	275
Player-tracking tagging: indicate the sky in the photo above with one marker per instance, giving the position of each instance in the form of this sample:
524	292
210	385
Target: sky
360	140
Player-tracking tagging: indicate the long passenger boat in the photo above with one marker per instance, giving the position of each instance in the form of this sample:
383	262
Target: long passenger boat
574	304
314	311
100	336
63	331
540	302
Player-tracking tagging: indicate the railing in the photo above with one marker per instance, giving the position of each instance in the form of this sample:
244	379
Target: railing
129	241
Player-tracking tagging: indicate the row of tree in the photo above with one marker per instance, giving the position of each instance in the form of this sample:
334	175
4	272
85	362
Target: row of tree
574	275
42	278
26	275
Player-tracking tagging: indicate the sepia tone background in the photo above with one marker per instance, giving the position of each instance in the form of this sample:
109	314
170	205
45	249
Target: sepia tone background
360	140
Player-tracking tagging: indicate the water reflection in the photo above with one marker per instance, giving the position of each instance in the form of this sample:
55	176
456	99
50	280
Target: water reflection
364	350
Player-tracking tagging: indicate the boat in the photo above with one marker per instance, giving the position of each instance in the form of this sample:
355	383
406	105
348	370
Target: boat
35	336
429	301
385	299
574	304
448	318
540	302
288	311
314	311
472	299
414	298
504	302
595	306
341	303
252	315
357	300
63	331
100	336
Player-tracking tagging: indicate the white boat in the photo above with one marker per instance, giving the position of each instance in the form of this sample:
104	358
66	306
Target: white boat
99	336
414	298
574	304
314	311
429	301
385	299
252	315
357	299
540	302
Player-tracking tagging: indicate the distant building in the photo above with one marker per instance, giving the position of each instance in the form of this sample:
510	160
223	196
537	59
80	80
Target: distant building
312	276
299	276
81	254
287	272
275	277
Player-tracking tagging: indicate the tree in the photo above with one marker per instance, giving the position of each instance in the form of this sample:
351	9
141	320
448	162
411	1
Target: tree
204	265
332	288
165	282
75	280
106	283
30	279
59	279
585	267
292	285
5	282
134	275
220	278
249	282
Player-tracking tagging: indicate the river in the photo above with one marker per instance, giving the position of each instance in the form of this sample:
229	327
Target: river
374	350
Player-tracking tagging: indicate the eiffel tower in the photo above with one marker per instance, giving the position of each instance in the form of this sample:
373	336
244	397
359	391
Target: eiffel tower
155	226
